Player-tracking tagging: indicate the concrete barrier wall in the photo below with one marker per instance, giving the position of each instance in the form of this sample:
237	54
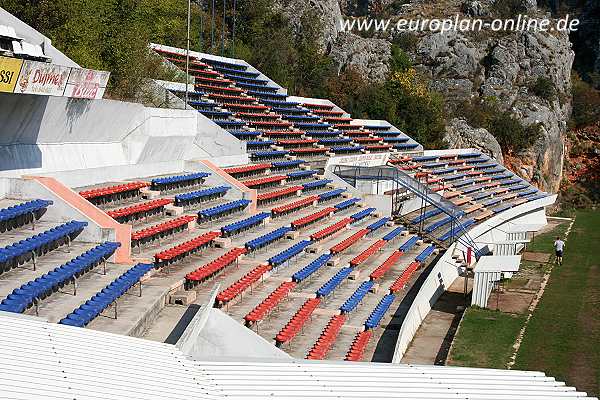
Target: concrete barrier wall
446	270
43	134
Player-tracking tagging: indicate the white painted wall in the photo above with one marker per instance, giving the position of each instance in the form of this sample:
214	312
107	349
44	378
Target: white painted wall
42	134
446	270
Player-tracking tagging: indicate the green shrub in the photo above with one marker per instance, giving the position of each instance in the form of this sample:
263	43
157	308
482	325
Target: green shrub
586	103
399	60
544	88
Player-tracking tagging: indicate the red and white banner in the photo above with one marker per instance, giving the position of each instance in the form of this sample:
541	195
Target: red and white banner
86	83
42	78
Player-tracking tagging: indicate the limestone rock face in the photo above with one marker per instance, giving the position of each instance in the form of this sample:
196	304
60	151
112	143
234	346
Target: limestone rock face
466	66
459	134
370	57
328	11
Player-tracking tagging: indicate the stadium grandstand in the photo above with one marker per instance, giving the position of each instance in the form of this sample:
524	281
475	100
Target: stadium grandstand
292	231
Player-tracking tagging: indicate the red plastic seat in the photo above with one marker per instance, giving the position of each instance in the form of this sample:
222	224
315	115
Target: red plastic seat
330	230
327	339
302	222
139	208
247	168
186	247
165	226
242	284
291	329
364	256
344	244
357	349
278	193
296	205
380	271
273	299
109	190
263	181
403	279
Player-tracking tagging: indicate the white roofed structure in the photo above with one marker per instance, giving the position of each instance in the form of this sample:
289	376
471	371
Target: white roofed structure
51	361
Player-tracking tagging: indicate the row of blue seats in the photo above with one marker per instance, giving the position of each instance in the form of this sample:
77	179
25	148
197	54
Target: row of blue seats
394	233
18	253
409	244
356	297
226	123
171	182
331	141
316	184
280	103
256	144
289	253
267	239
343	149
363	213
346	204
268	154
286	164
301	174
239	226
378	224
446	220
218	211
406	146
396	139
331	194
21	214
242	134
426	215
311	268
200	195
22	298
377	314
323	133
457	230
425	254
333	282
89	310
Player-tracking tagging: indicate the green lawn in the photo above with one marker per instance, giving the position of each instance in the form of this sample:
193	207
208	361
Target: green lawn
563	336
485	339
544	243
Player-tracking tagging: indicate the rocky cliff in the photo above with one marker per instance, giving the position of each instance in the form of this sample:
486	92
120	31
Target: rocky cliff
466	66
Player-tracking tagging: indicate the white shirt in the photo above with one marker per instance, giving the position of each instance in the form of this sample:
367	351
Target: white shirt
559	245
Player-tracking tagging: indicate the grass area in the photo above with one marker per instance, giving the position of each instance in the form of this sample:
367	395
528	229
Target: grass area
563	336
485	339
544	243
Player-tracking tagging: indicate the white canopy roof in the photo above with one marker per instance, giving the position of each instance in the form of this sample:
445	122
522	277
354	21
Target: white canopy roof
498	264
50	361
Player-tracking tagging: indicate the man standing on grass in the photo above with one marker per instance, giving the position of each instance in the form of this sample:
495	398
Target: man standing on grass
559	245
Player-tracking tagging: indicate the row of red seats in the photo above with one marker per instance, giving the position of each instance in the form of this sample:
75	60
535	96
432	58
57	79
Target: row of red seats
218	88
214	267
110	190
327	338
247	99
364	255
139	208
344	244
379	147
242	284
245	106
309	219
264	181
296	205
403	279
277	194
160	228
295	324
186	248
380	271
359	344
260	311
247	168
331	229
357	133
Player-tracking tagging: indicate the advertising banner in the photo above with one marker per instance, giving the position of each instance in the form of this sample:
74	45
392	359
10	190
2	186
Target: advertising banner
9	73
86	83
360	160
42	78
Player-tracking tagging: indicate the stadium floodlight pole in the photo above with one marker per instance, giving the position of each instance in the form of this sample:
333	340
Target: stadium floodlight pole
233	32
223	32
212	27
187	53
201	27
